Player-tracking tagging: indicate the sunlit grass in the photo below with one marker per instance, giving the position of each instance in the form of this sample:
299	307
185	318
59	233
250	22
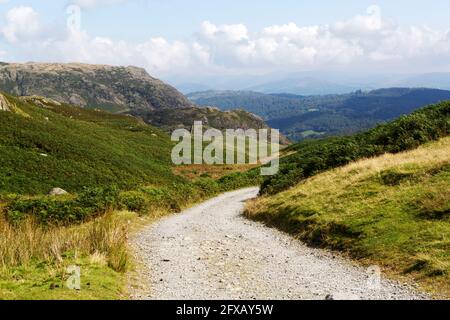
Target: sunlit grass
393	210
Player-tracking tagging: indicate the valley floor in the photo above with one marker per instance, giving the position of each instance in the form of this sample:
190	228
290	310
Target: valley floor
212	252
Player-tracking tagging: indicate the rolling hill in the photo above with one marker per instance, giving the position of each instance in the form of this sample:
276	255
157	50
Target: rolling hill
124	90
46	144
305	117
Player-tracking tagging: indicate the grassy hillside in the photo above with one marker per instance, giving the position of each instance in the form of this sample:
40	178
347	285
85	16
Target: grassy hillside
91	154
118	172
54	145
306	117
392	210
311	157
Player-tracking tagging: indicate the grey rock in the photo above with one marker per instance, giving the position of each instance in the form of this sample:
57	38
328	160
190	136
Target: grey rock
57	192
4	103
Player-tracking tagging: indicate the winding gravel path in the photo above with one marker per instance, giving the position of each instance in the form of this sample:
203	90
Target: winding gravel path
212	252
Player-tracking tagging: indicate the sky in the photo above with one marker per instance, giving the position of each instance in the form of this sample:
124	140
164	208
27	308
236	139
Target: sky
190	39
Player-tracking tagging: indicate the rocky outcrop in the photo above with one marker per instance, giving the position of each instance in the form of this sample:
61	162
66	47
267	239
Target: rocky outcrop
170	119
105	87
4	103
40	101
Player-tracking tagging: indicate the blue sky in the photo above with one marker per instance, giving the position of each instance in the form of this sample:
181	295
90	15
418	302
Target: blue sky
179	18
227	37
140	19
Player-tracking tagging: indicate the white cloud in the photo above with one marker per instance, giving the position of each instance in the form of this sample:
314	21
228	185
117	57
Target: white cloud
372	23
364	40
234	33
22	24
156	54
160	54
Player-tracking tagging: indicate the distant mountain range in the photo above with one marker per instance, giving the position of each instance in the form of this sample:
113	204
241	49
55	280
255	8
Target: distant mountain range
428	80
302	117
304	86
315	83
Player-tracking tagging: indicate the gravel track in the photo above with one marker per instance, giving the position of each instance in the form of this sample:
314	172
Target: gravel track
212	252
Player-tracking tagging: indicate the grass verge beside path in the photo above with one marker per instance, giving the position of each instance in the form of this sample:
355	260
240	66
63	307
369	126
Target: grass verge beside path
392	210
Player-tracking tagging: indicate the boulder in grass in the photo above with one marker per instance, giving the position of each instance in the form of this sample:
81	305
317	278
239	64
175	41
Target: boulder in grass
57	192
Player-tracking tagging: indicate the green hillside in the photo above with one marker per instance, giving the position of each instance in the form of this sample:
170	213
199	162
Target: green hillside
392	210
308	158
50	145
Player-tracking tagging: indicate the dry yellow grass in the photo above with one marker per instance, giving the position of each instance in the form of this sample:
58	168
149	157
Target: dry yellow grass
336	180
26	242
431	154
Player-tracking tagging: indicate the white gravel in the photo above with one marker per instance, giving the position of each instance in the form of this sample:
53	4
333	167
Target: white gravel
212	252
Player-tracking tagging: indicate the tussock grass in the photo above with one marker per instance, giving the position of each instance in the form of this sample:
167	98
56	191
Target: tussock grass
34	258
393	210
103	239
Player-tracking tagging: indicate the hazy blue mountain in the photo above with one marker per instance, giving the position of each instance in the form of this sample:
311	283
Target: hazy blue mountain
189	87
304	86
429	80
312	82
